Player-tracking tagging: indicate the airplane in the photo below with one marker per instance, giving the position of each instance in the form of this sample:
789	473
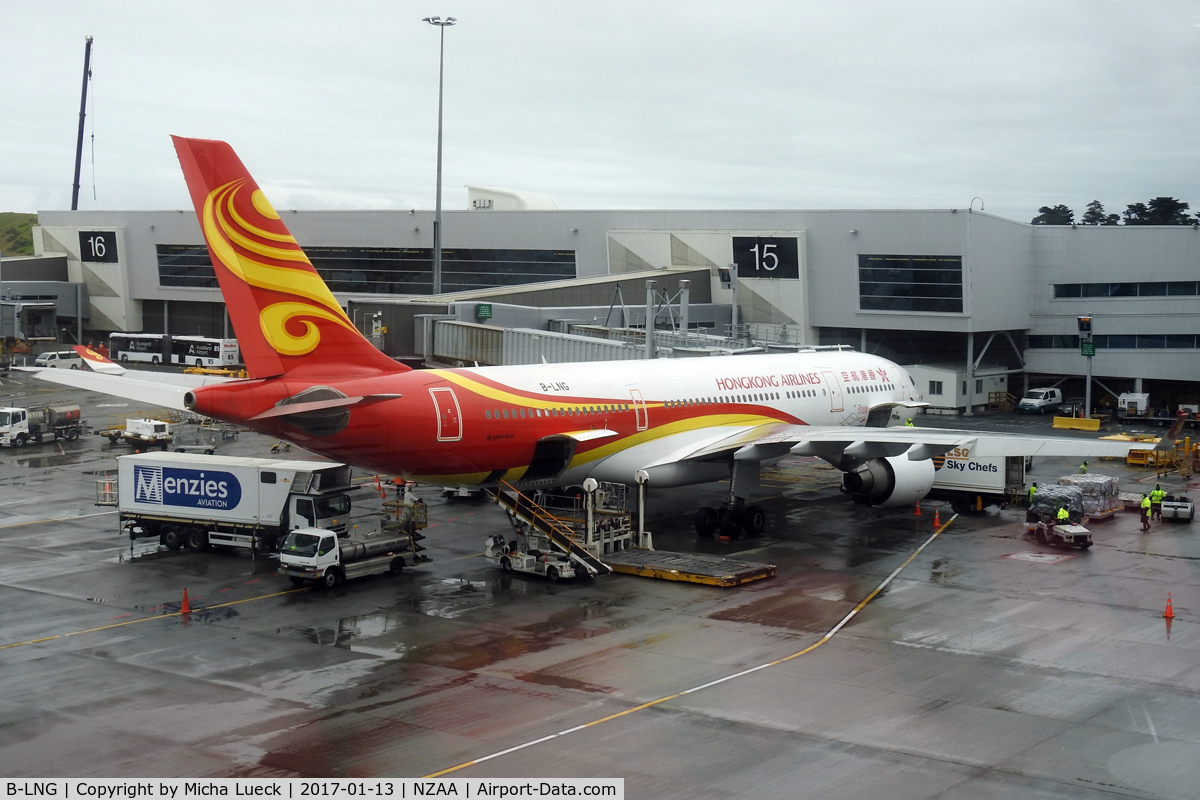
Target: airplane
316	381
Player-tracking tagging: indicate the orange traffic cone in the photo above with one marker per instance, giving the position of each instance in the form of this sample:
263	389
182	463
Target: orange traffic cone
1170	612
937	519
184	607
917	512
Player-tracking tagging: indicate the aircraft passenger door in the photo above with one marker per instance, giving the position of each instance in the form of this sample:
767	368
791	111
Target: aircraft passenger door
639	409
835	390
449	416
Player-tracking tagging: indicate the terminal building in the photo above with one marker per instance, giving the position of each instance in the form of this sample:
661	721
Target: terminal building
982	304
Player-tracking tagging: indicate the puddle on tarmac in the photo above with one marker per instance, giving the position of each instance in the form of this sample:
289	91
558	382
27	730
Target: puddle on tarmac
814	612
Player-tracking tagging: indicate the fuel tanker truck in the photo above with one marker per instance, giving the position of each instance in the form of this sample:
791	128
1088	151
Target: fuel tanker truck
321	556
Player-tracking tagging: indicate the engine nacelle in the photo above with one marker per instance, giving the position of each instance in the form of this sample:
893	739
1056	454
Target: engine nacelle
890	482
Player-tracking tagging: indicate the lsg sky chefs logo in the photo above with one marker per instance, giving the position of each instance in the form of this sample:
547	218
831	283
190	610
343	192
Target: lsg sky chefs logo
189	488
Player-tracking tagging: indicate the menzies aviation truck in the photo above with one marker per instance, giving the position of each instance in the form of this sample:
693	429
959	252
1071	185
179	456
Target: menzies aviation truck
194	501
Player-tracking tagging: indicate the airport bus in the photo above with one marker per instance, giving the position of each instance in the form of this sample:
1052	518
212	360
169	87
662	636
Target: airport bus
158	348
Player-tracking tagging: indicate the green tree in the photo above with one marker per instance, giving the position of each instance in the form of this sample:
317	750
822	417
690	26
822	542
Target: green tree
1095	215
1059	215
1159	211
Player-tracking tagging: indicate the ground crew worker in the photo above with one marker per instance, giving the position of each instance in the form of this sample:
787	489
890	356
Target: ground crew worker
1145	505
1083	468
909	424
1156	498
1064	516
1032	492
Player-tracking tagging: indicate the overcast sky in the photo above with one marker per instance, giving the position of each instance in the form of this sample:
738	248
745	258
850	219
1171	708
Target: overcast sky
618	104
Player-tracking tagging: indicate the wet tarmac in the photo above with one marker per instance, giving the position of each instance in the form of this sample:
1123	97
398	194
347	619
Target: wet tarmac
990	666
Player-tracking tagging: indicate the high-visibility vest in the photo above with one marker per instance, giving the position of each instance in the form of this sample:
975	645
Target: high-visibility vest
1032	492
1063	515
1157	496
1146	503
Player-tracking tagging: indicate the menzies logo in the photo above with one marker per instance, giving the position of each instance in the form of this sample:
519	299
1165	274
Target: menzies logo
190	488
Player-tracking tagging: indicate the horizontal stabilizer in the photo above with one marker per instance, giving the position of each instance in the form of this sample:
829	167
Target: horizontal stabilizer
154	393
288	409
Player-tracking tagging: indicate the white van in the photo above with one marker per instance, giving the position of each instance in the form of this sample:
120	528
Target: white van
59	359
1039	401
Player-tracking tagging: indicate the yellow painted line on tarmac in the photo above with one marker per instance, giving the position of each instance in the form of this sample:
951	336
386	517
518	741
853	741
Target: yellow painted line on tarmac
158	616
57	519
833	632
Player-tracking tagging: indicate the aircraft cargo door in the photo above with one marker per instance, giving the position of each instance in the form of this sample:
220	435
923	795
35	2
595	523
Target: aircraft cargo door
835	390
449	422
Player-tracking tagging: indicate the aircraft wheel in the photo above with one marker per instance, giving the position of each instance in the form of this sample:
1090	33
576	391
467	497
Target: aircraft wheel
506	565
731	523
754	520
706	522
172	537
397	566
552	574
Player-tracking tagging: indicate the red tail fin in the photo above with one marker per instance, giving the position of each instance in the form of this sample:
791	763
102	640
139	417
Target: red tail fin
285	317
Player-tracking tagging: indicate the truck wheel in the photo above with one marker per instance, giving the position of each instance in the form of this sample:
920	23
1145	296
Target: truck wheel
706	522
73	434
163	445
1084	545
172	537
296	581
397	566
754	520
199	363
552	574
195	539
331	579
1040	535
506	565
960	504
154	360
19	441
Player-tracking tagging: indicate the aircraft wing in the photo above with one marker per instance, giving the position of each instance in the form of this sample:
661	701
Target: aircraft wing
919	443
160	389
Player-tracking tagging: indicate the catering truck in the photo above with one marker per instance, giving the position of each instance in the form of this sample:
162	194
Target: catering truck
19	426
197	501
971	483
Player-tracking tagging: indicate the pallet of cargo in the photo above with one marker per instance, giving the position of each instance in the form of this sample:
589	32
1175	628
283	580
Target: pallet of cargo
689	567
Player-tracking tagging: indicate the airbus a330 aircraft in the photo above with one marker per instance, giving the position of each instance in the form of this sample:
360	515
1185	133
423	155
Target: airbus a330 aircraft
316	381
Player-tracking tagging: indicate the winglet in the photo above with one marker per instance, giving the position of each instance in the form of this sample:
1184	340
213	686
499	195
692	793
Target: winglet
287	321
1167	442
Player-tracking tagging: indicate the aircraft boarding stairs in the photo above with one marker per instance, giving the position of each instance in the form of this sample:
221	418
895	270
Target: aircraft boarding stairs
544	523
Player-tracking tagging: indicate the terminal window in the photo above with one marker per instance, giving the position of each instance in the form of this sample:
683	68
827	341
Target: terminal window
384	270
1127	289
910	283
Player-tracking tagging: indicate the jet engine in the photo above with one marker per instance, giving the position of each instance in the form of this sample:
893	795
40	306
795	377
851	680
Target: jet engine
889	482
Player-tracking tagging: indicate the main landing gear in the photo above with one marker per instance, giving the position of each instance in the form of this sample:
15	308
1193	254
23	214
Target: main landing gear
732	520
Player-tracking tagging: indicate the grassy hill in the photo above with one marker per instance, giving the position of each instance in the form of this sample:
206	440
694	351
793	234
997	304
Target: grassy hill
16	237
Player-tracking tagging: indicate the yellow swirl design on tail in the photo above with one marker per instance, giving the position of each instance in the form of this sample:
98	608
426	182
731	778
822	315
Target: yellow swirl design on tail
223	225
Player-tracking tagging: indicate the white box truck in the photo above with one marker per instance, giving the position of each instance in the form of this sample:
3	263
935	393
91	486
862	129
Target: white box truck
971	484
195	500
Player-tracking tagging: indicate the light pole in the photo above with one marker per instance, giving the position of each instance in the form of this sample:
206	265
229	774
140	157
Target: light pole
442	24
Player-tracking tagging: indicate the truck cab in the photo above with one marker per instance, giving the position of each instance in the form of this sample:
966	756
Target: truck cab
13	423
1040	401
